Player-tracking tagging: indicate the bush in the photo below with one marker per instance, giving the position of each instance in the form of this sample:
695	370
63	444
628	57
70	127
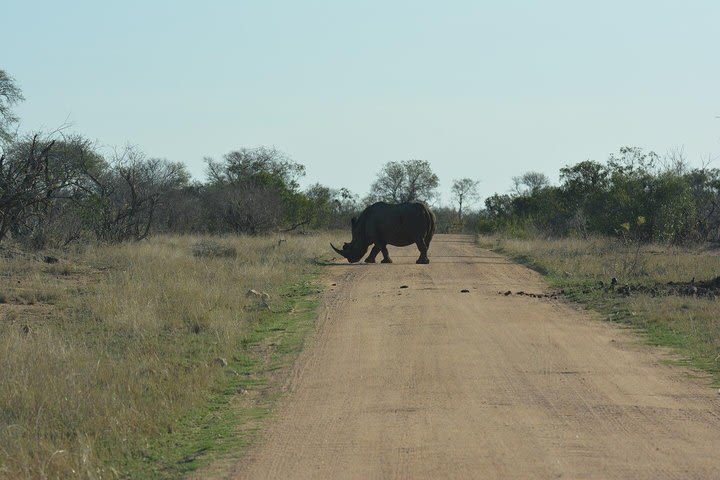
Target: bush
594	198
213	249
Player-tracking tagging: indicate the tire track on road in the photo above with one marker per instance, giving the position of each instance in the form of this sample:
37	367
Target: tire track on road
428	382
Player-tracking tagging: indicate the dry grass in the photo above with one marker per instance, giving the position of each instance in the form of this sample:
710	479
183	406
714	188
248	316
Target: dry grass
604	258
690	325
109	347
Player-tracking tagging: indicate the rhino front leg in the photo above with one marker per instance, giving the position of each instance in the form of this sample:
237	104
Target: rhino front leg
420	242
373	253
386	255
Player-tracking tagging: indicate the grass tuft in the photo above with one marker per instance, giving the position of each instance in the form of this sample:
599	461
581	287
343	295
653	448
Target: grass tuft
214	249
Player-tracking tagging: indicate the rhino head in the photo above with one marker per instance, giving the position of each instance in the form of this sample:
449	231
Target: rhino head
355	250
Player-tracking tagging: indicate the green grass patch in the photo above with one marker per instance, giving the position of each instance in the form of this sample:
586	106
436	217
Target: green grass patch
227	423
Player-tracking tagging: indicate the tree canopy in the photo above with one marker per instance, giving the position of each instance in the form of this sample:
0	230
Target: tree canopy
631	192
405	181
464	191
10	94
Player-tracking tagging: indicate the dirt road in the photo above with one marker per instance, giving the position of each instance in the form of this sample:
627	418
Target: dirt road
429	382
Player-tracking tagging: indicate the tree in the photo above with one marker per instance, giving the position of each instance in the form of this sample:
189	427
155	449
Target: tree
530	182
10	94
72	162
406	181
464	190
705	188
330	207
22	182
262	166
499	206
673	211
261	185
183	210
242	208
585	186
128	194
39	177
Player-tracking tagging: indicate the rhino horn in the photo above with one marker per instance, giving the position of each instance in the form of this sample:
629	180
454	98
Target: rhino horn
337	250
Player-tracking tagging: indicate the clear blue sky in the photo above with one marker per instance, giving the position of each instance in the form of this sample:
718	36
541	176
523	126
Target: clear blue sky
486	90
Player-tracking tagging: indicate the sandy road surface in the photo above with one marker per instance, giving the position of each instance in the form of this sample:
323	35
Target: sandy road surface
428	382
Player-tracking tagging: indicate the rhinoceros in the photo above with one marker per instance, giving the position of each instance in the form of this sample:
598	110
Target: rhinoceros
383	224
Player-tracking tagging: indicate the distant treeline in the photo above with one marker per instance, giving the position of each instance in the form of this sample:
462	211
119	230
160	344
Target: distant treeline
56	192
634	194
58	189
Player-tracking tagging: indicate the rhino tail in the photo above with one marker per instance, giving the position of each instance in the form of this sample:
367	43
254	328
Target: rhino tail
431	229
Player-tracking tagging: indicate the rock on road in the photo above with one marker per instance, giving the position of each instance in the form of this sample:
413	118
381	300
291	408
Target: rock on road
429	382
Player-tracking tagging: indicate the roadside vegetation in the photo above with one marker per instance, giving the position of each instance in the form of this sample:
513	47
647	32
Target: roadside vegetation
636	195
128	360
670	293
634	237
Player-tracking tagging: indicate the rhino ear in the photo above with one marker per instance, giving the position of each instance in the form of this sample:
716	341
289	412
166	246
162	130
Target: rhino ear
353	221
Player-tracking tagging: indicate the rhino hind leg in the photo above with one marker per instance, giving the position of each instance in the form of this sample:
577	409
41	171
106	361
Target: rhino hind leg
373	253
420	242
386	255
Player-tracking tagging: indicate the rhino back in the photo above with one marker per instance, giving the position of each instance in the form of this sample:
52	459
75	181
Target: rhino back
397	224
